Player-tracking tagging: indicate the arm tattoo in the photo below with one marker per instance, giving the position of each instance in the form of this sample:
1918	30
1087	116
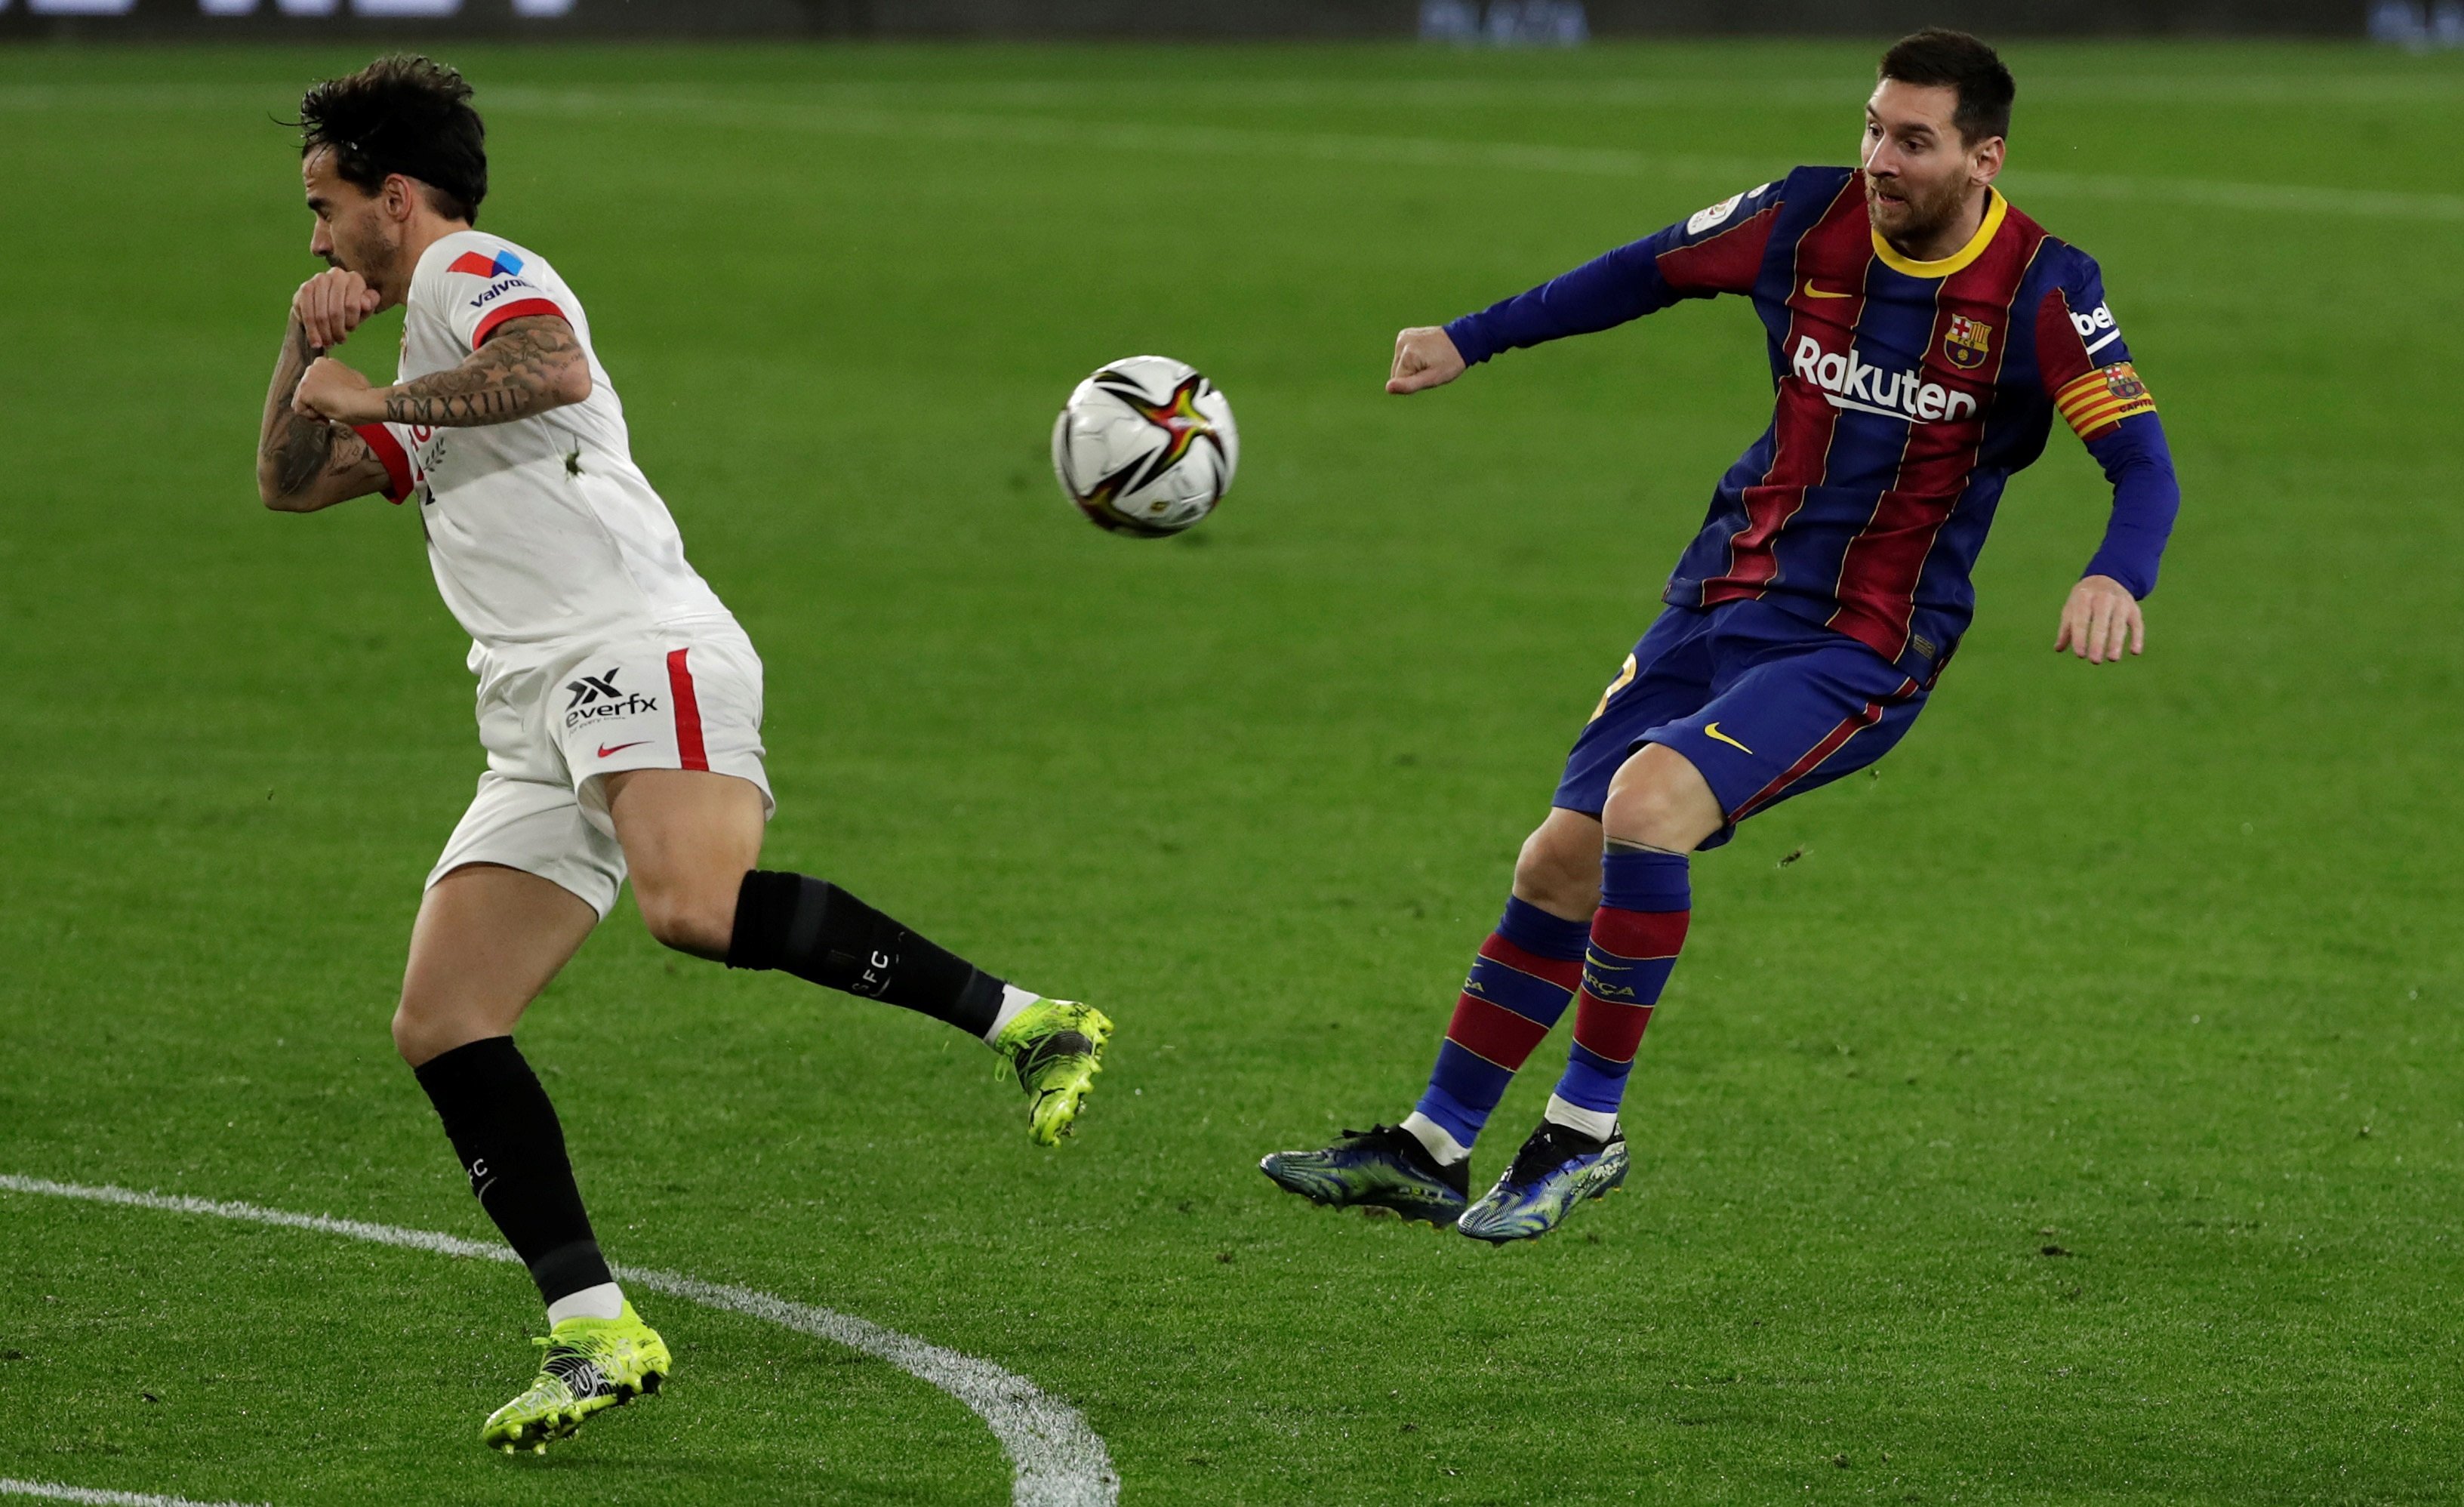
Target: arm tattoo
299	453
511	376
315	450
305	449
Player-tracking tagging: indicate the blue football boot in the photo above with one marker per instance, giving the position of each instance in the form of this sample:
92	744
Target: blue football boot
1384	1166
1557	1168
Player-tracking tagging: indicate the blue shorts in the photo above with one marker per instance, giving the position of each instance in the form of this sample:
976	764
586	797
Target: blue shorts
1765	703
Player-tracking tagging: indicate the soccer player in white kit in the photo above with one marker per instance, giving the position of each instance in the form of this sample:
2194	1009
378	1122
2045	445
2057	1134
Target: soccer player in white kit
618	702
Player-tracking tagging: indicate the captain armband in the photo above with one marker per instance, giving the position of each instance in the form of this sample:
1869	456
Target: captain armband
2097	402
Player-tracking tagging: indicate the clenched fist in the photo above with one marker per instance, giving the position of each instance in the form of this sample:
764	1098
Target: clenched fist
330	304
334	393
1425	357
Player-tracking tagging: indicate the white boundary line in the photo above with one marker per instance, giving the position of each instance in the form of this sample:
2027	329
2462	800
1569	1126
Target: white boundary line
57	1492
1056	1460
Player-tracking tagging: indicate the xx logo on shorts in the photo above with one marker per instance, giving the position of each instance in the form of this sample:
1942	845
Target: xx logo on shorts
598	696
591	687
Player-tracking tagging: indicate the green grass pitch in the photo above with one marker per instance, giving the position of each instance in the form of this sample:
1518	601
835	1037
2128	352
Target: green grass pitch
2076	1119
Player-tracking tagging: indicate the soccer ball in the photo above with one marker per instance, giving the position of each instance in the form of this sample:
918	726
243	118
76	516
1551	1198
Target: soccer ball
1145	445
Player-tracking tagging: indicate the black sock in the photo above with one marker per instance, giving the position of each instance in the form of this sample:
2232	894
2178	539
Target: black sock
817	931
506	1133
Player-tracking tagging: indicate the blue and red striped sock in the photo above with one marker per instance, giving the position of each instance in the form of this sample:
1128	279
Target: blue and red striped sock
1526	973
1645	900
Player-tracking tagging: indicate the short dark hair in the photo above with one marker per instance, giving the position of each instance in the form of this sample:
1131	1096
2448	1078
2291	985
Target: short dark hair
1936	57
408	115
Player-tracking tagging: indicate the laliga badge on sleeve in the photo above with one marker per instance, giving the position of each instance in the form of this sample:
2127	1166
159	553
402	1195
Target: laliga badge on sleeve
1703	219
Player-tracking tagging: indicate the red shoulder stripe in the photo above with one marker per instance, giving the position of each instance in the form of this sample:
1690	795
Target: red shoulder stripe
519	309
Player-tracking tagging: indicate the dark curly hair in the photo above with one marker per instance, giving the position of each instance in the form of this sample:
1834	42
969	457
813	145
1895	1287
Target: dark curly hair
1939	58
408	115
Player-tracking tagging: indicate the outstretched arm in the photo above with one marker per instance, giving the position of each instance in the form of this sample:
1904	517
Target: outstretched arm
305	464
1425	357
527	367
1719	249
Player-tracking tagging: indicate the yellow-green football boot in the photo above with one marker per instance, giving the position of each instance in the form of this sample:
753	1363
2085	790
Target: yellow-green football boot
1056	1047
592	1365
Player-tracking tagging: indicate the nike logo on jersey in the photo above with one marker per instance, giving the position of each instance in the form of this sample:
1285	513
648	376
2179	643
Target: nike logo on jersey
604	750
1812	292
1713	731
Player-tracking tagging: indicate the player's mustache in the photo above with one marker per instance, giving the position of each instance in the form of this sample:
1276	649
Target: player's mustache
1909	199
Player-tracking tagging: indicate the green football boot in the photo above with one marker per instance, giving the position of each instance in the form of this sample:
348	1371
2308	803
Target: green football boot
1557	1168
592	1365
1384	1166
1056	1047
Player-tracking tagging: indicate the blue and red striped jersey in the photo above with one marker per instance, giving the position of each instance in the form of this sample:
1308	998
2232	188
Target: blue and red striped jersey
1908	393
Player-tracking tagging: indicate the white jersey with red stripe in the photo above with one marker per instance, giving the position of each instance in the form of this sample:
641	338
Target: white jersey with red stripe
542	533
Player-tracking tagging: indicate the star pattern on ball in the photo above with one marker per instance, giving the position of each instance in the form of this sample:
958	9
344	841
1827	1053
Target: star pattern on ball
1178	416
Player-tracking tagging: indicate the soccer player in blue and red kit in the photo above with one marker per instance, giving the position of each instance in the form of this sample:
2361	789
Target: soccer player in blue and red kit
1922	335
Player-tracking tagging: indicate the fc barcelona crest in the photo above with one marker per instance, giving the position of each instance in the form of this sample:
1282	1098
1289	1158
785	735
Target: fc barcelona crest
1968	342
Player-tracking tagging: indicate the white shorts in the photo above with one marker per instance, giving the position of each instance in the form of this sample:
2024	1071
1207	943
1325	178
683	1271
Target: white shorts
686	699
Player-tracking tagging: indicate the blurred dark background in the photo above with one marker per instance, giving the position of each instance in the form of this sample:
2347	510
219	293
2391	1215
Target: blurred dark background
1466	22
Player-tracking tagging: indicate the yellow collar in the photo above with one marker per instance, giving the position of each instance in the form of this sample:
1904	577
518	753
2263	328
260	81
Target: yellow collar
1995	207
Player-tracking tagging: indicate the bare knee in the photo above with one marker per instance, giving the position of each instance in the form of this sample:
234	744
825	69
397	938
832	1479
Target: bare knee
699	919
423	1031
690	837
1559	867
487	940
407	1036
1660	800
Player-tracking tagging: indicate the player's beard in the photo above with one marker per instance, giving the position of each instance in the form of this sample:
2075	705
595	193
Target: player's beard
365	245
1925	213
